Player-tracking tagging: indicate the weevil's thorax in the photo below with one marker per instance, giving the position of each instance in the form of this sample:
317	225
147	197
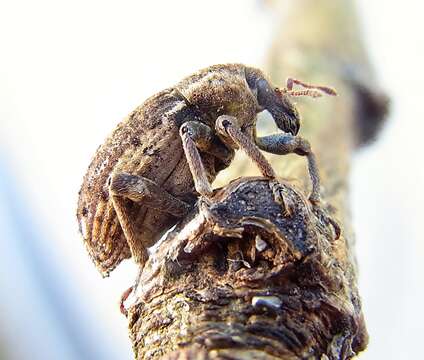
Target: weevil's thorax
219	90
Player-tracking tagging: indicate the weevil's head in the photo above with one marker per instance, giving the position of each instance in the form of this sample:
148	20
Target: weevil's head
277	101
281	108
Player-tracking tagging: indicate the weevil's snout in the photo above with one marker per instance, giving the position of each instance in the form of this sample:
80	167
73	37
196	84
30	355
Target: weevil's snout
286	116
277	101
283	111
294	124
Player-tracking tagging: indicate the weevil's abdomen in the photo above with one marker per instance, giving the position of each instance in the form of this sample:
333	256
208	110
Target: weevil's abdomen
146	143
221	89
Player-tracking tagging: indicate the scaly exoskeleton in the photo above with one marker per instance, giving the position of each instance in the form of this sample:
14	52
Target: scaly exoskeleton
150	170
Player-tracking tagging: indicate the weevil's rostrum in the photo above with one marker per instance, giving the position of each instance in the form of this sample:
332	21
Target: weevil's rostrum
150	170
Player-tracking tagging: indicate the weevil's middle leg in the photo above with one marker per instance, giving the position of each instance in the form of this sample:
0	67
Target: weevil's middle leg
227	126
197	136
124	187
282	144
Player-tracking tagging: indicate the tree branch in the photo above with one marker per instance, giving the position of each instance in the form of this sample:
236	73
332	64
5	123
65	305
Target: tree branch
238	279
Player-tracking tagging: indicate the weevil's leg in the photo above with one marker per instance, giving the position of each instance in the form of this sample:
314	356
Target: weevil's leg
227	126
282	144
278	192
124	297
327	220
124	187
207	141
196	136
138	250
140	189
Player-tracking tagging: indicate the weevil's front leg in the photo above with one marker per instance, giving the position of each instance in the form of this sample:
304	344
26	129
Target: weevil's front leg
227	126
197	136
207	141
124	187
283	144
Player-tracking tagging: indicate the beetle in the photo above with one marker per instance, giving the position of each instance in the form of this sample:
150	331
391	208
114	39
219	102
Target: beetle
149	172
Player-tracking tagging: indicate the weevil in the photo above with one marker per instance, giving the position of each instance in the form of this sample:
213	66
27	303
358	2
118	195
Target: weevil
151	169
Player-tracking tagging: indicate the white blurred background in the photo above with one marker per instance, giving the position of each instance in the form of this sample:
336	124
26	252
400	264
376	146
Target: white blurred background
70	70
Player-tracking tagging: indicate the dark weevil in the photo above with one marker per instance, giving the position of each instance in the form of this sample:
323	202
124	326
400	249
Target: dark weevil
150	170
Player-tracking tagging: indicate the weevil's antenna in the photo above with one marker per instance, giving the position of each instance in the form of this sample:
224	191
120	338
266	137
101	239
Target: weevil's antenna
313	91
325	89
308	92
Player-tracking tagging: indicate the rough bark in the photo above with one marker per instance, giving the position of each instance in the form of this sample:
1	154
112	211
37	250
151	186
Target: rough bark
238	279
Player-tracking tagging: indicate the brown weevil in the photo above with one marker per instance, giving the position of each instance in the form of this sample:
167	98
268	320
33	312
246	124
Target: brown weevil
150	170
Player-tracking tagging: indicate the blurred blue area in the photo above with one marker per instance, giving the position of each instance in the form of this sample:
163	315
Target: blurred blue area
52	322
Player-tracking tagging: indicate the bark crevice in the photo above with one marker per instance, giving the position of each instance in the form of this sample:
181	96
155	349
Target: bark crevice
238	278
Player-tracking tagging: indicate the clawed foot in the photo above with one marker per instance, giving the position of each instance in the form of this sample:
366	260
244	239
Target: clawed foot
323	216
279	196
206	199
124	297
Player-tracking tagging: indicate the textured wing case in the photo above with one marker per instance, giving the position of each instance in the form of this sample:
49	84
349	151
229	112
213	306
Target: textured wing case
136	147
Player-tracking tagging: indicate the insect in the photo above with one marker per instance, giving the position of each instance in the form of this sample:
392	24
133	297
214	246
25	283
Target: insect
151	169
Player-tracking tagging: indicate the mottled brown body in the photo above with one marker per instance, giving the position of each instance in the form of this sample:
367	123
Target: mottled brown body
149	171
147	143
